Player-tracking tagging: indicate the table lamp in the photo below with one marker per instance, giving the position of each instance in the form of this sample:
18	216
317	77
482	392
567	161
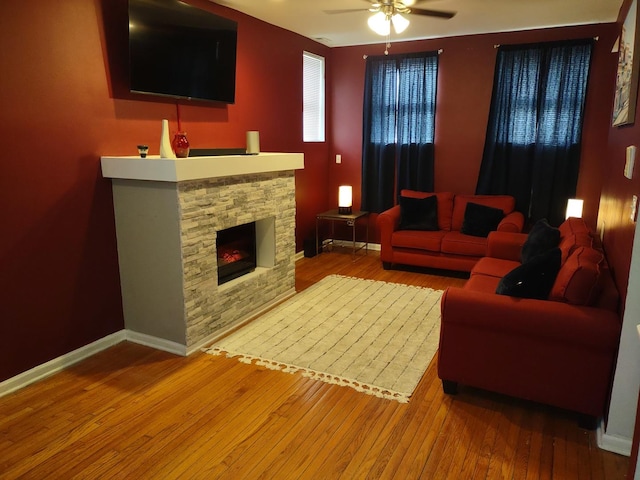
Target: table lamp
345	193
574	208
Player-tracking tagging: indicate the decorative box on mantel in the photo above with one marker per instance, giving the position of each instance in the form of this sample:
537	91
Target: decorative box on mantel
168	213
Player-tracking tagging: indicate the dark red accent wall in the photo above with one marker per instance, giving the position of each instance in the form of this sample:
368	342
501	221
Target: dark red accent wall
62	108
614	221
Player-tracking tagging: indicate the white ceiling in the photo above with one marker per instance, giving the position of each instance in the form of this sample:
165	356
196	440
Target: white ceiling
309	18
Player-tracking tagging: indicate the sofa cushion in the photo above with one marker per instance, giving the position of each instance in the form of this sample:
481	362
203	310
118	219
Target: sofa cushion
419	240
458	243
482	283
577	281
445	205
504	202
419	213
480	220
533	279
506	245
570	242
541	238
493	267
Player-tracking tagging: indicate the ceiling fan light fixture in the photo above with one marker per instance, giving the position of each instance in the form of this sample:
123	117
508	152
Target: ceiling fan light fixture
400	23
380	24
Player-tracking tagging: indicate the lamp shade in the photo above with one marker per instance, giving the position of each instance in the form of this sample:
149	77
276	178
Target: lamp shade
400	23
574	208
345	199
379	23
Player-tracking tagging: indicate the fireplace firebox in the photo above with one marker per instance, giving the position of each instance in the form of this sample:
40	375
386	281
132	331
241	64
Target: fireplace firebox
236	250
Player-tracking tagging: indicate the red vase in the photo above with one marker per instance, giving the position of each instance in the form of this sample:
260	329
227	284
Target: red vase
180	145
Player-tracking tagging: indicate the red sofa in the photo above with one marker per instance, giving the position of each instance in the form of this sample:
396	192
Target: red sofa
559	351
446	248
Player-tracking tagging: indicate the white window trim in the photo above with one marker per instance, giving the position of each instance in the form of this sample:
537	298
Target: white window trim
313	101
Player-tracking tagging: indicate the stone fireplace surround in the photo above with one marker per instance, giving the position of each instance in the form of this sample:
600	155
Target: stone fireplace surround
167	215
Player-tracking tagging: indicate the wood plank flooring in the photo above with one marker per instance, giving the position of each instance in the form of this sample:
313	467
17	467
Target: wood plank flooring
131	412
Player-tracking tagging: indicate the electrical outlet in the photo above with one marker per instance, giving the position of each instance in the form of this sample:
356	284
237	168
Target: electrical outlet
338	158
630	161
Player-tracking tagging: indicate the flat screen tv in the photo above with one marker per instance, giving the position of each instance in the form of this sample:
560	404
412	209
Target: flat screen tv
180	51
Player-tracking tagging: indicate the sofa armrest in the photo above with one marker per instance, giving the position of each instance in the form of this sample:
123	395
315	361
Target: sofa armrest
388	222
512	222
550	321
539	350
505	245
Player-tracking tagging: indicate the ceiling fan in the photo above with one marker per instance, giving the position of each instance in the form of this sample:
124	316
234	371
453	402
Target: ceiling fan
390	12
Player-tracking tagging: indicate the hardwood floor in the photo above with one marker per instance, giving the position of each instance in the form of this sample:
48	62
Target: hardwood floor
131	412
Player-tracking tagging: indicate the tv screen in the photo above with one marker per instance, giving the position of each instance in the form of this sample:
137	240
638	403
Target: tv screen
180	51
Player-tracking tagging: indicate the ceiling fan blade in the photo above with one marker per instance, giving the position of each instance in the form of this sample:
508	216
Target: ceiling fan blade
432	13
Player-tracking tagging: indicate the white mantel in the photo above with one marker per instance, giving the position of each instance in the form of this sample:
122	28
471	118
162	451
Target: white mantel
195	168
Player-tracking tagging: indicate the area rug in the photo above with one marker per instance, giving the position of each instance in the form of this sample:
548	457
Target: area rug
376	337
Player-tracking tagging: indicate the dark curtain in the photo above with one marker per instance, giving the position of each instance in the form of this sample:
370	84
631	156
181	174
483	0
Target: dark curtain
379	149
532	147
398	127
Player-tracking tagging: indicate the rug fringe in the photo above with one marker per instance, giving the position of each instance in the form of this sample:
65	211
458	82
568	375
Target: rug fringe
309	373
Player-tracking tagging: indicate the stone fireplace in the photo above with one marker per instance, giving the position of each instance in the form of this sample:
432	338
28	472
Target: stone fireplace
167	244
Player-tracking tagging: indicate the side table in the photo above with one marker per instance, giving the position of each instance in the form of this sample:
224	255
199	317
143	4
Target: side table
350	219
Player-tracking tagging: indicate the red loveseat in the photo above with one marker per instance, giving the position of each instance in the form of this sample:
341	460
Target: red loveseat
447	248
559	351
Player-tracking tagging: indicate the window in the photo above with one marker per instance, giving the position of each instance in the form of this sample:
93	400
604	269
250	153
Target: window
313	97
532	148
398	127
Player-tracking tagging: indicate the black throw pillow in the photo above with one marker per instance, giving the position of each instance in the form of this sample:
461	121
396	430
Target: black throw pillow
541	238
419	213
533	279
480	220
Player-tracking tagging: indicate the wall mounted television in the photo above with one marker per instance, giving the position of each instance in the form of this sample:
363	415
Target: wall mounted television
177	50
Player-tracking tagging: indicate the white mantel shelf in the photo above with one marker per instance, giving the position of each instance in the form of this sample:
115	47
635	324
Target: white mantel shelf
159	169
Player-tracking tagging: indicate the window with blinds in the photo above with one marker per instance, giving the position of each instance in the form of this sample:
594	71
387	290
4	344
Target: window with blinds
313	97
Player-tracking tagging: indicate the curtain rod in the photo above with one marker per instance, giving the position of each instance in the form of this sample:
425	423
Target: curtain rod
364	57
497	45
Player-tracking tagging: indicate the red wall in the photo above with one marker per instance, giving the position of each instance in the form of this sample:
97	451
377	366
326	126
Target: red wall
465	81
62	108
614	220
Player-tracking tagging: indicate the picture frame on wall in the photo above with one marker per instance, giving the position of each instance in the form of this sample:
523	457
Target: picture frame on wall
624	106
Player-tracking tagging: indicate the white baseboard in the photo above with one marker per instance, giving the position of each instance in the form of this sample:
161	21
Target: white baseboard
349	244
155	342
613	443
53	366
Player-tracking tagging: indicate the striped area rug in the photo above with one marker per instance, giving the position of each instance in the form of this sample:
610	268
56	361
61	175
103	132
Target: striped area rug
373	336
